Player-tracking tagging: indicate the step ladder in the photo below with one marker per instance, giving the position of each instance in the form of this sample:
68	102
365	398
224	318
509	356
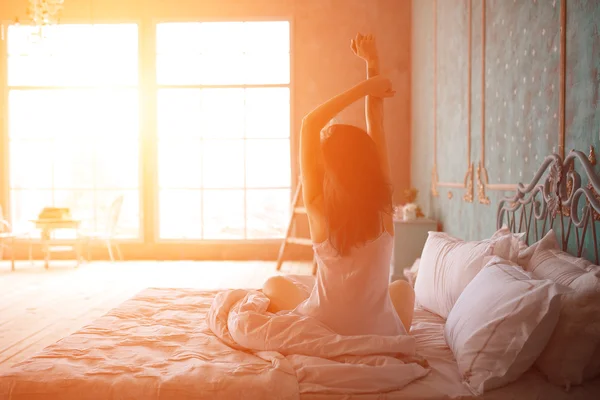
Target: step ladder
297	210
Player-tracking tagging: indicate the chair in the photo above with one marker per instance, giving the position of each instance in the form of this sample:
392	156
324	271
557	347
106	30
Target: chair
107	236
8	239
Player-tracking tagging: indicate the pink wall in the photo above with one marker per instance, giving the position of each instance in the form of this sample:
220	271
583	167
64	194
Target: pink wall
323	64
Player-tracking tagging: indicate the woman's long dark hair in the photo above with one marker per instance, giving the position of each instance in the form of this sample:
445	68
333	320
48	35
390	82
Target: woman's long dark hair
356	193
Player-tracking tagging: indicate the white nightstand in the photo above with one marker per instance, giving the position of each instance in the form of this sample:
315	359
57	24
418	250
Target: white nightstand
409	239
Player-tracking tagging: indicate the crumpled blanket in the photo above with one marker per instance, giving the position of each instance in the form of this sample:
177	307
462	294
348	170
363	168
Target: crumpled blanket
155	346
324	362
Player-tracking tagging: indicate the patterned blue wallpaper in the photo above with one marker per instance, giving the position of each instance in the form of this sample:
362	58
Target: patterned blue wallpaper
522	87
582	112
452	89
521	97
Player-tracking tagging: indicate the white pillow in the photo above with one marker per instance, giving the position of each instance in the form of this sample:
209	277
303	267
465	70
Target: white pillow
505	231
448	265
500	324
569	357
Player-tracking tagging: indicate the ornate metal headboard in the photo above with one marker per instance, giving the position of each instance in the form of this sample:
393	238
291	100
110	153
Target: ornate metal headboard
557	198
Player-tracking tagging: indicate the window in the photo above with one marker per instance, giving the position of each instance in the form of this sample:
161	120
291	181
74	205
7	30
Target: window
223	129
73	122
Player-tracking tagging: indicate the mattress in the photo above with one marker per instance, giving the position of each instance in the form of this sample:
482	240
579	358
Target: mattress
157	345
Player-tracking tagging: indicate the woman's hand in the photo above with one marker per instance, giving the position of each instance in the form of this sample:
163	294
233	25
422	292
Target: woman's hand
364	47
379	86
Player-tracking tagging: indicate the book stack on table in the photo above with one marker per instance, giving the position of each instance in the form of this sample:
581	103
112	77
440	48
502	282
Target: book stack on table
54	213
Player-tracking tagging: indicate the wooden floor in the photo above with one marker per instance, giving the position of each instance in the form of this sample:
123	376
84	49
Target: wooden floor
39	307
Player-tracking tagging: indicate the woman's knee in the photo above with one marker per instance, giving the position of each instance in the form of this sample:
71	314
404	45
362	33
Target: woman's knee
282	293
276	285
402	288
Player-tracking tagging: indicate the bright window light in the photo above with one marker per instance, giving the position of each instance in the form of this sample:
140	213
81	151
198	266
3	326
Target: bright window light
73	123
223	129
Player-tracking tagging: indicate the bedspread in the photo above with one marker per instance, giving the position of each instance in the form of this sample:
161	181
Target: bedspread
155	346
323	361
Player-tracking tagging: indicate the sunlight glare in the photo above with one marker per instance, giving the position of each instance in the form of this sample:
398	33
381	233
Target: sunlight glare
73	107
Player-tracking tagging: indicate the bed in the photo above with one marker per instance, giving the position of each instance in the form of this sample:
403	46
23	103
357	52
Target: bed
159	345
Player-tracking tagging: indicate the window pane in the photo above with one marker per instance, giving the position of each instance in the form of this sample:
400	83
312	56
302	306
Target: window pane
230	122
268	113
117	163
73	164
72	70
113	112
180	214
175	37
21	39
179	112
74	113
267	68
81	138
223	164
113	38
60	39
238	37
30	164
267	163
222	113
72	117
30	71
24	104
223	69
259	33
128	224
26	205
81	203
179	69
220	37
245	53
197	69
116	70
180	163
223	214
85	124
267	213
73	55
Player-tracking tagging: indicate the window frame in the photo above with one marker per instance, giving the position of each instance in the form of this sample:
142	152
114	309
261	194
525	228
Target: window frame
149	245
157	87
5	88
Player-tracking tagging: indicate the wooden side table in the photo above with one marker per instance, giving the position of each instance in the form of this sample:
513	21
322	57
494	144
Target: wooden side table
47	226
409	239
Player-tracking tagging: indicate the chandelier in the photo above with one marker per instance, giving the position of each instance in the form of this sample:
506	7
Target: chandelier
44	12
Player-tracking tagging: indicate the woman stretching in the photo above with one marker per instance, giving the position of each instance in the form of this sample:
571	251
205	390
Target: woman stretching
348	197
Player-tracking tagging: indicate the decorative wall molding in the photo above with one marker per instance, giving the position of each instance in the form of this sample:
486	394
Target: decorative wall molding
482	179
434	182
467	183
482	173
563	87
468	197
